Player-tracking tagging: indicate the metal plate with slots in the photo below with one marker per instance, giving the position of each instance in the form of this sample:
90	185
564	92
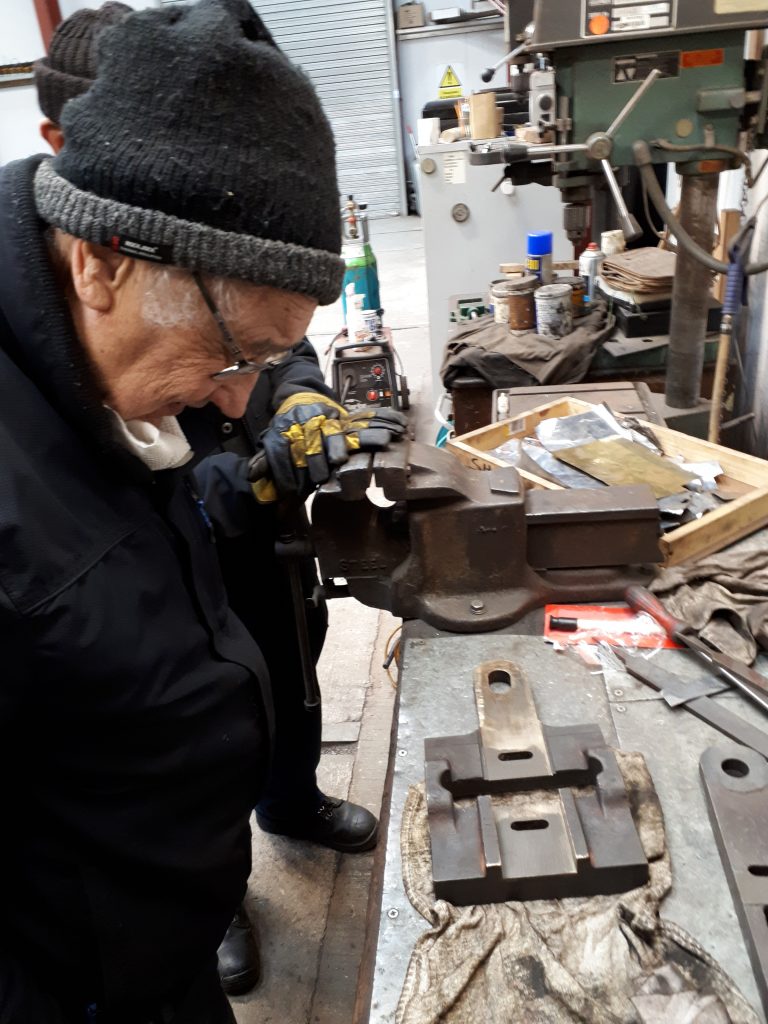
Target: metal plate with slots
572	843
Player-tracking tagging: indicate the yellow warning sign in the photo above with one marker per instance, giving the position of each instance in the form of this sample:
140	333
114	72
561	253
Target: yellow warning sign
450	86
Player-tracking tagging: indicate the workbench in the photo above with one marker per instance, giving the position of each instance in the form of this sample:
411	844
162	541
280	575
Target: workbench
436	698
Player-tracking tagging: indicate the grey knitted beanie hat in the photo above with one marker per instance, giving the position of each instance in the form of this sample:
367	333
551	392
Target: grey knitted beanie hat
70	67
201	145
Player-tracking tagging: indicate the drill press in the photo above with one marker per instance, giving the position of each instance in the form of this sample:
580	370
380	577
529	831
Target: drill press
644	82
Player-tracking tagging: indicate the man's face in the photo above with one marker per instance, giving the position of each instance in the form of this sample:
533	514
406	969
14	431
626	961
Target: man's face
157	346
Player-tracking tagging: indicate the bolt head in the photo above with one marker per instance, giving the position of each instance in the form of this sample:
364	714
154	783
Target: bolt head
477	606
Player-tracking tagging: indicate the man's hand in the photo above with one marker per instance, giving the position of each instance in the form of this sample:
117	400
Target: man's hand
311	435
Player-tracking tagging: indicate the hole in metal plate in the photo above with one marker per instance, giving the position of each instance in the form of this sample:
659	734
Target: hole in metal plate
761	870
531	825
516	755
500	681
735	768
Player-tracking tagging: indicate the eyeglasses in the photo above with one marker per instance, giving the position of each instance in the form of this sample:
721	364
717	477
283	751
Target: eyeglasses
242	365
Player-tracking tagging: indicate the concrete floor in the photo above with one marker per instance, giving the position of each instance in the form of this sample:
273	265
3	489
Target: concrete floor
309	904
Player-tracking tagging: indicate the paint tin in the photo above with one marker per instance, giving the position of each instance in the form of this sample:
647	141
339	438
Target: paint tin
554	310
578	288
522	307
500	293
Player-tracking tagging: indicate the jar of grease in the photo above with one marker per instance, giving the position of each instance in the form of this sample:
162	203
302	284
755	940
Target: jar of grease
554	310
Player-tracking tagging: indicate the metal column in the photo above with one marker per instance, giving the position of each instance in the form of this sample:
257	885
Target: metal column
698	211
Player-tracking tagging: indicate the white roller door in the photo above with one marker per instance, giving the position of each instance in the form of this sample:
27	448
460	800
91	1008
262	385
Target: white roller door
347	49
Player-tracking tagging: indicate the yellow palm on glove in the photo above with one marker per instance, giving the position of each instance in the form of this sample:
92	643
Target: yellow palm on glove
311	435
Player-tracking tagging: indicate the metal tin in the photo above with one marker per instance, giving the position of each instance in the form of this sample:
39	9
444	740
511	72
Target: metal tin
554	310
511	297
520	304
579	297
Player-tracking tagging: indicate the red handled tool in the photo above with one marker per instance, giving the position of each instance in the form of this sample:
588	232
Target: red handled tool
752	684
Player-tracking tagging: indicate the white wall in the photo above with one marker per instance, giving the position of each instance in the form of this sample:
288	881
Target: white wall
20	40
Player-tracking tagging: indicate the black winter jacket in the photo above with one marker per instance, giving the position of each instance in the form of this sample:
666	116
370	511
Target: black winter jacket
133	704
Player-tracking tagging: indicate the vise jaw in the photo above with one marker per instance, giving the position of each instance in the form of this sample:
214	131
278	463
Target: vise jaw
451	545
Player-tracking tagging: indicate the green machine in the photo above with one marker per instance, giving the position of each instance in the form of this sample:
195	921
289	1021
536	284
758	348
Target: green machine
638	83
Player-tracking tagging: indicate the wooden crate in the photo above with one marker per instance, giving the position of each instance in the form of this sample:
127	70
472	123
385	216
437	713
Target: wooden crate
745	476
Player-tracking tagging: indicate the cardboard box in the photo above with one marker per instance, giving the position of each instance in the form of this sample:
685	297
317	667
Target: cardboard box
411	16
745	476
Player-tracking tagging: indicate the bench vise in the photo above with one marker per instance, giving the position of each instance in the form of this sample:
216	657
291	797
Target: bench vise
415	532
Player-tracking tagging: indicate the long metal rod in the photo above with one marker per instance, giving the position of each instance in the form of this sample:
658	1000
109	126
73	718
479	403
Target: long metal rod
692	283
704	708
624	113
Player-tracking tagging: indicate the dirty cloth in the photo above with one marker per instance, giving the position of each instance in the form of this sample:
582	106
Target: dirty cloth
644	271
489	350
724	596
559	961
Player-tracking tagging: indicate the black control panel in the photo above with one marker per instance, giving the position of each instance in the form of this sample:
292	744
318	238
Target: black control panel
366	380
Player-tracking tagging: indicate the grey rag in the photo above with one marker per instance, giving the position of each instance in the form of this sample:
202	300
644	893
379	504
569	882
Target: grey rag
561	961
723	597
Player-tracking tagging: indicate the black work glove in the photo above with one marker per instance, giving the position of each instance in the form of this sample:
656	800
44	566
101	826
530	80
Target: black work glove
311	435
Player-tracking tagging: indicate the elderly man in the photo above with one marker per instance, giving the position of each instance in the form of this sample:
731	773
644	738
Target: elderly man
245	531
160	262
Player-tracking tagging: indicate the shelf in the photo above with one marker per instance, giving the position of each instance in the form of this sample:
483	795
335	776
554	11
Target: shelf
455	28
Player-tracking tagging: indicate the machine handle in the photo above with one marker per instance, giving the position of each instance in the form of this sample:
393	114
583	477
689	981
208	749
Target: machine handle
629	225
642	600
488	74
637	96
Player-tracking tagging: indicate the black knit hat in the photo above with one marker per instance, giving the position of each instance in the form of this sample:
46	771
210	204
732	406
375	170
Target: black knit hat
201	145
70	67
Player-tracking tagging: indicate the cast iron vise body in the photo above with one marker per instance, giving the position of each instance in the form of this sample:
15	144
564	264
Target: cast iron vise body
469	551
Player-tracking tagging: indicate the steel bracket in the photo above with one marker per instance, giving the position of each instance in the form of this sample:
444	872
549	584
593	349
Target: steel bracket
735	783
581	844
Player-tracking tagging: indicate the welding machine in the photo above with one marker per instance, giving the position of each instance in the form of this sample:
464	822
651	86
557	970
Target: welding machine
368	372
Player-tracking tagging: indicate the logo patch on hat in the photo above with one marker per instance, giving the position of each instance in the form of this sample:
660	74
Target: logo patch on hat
140	250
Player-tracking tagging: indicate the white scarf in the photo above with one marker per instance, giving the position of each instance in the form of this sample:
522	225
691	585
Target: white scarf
159	447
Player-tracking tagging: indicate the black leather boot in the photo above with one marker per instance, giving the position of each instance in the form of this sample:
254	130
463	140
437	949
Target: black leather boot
337	824
239	960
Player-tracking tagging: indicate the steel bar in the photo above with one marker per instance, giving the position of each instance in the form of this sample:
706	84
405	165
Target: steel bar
735	783
688	327
705	708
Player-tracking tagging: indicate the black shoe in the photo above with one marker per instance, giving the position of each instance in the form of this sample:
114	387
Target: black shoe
239	961
337	824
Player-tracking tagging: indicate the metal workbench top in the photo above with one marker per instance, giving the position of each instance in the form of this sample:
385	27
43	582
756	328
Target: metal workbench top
436	699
